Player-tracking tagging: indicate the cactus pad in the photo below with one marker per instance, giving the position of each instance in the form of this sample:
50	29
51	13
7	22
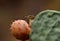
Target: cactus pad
46	26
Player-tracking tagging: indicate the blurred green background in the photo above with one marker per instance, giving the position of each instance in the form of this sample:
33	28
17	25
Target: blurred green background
11	10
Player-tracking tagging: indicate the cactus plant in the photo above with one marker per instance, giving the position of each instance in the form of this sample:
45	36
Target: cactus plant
45	26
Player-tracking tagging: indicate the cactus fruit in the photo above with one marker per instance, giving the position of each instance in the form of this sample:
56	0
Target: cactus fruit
20	29
46	26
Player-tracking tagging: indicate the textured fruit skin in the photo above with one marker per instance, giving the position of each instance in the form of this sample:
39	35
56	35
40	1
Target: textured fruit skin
20	29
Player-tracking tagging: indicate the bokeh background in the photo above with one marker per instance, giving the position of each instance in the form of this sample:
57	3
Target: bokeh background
11	10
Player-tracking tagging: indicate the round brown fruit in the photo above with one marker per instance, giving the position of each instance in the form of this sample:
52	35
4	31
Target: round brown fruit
20	29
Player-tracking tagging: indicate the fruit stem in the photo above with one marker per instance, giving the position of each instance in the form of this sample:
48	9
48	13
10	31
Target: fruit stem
30	21
30	18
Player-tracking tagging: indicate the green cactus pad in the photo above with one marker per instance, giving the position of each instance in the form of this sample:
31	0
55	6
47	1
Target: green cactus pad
46	26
